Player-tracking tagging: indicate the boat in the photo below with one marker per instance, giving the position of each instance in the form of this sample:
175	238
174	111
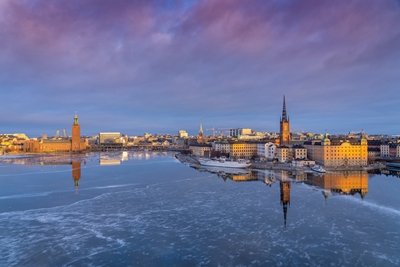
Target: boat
393	165
224	162
318	168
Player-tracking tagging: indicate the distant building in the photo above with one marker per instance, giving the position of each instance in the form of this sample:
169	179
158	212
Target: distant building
200	150
266	150
58	145
243	150
223	146
183	134
111	139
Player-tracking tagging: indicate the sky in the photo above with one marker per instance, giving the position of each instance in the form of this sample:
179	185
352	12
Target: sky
161	66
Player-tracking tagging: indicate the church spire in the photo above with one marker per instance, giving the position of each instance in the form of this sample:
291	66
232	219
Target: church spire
201	129
284	115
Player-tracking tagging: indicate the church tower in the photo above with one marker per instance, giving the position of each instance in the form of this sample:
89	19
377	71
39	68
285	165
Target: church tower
284	127
76	135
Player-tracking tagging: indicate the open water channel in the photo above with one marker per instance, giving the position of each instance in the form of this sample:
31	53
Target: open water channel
148	209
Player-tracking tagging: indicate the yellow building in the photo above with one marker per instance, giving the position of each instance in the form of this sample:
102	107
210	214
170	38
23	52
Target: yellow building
243	150
339	152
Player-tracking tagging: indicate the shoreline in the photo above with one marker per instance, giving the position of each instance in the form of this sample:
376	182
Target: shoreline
285	167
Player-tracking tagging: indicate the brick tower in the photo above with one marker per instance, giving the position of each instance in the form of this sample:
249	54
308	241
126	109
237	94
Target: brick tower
285	127
76	135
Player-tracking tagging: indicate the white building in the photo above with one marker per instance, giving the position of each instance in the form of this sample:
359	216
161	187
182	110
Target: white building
267	150
223	146
384	150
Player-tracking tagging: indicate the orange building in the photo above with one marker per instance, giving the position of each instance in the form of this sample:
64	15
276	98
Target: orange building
73	144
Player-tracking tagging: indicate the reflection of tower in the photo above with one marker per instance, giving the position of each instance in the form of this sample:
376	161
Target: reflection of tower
284	127
285	197
201	130
76	173
76	135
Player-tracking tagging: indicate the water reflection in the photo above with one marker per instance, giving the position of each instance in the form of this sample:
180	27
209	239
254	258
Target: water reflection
387	172
332	183
349	182
76	174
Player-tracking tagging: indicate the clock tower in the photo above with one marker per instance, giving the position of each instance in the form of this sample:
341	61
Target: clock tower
285	127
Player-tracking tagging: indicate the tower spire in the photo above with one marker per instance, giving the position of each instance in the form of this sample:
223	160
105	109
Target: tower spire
76	119
284	115
201	129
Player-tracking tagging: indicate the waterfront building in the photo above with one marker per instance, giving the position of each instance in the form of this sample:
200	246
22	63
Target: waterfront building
266	150
243	150
284	126
283	154
338	151
200	150
384	150
73	144
398	151
222	146
299	152
108	137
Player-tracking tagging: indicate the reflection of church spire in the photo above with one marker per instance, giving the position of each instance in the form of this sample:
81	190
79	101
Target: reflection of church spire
76	173
285	198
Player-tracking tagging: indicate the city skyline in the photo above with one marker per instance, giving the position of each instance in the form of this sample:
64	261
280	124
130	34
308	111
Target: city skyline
158	67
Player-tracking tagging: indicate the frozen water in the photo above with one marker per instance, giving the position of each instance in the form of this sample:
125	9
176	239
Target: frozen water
151	210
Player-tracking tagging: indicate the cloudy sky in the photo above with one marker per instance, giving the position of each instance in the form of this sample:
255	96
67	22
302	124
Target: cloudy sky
160	66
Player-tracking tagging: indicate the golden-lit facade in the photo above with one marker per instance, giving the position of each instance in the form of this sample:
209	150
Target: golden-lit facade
243	150
338	152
